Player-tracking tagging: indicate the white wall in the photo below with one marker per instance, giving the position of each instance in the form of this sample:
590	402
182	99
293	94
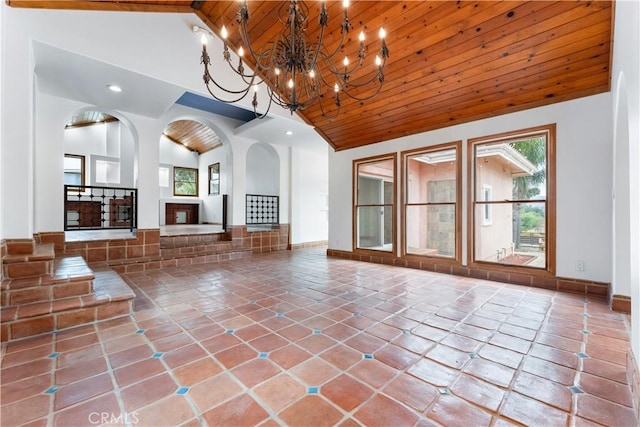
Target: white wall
212	204
17	88
263	170
583	145
626	143
309	195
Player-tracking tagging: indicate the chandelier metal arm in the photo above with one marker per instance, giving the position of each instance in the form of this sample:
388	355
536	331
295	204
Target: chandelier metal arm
207	78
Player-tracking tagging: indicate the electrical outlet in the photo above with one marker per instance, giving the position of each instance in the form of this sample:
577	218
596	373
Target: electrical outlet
579	265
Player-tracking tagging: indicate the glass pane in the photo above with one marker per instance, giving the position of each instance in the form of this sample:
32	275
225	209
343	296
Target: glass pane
214	187
185	188
370	178
73	166
431	177
431	230
185	175
72	178
516	234
375	228
511	170
214	171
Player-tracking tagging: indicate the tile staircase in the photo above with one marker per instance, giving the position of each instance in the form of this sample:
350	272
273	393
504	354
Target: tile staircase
207	247
42	292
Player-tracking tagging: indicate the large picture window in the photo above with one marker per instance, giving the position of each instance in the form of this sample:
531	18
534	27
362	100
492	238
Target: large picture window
374	203
431	201
513	199
185	182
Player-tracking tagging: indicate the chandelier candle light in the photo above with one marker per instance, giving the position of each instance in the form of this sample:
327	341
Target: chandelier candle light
296	71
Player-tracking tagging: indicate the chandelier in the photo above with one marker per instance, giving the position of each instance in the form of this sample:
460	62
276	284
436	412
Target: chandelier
297	71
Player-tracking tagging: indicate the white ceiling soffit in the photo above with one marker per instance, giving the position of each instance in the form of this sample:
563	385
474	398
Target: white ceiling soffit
77	77
282	131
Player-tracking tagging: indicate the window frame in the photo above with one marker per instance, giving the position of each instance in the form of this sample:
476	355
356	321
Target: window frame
176	168
404	169
354	186
217	180
549	130
83	167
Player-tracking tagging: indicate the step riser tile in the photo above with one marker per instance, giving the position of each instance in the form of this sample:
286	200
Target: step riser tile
29	295
45	293
64	290
28	269
51	322
20	246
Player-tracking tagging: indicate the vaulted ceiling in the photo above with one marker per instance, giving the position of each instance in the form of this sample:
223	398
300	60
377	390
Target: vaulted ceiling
450	62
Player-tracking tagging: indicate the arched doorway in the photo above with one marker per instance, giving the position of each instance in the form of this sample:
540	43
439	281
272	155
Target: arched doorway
262	187
193	173
100	173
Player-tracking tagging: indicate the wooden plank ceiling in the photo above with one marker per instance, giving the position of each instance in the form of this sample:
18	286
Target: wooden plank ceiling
450	61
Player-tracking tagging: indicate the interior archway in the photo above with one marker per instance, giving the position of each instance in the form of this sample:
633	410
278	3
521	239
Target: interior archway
100	172
262	185
193	170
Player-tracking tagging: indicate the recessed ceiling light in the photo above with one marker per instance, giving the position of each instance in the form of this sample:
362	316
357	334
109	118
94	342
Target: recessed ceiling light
114	88
289	132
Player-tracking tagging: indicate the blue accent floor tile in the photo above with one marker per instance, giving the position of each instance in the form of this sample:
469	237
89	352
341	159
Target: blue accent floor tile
368	356
263	355
356	314
586	332
279	314
182	390
574	389
51	390
473	355
313	390
443	390
582	355
317	331
140	331
157	355
405	331
228	331
318	301
585	315
252	302
53	355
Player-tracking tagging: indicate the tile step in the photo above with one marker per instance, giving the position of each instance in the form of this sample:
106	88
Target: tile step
38	263
111	297
41	252
71	277
194	240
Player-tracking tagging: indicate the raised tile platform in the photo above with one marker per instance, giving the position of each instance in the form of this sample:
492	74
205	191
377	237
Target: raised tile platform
66	293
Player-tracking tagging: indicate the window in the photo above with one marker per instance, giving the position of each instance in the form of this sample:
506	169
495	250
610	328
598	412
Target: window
185	182
214	179
513	199
374	203
73	169
432	201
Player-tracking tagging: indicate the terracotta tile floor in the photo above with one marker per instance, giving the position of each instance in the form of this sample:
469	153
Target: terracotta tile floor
295	338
